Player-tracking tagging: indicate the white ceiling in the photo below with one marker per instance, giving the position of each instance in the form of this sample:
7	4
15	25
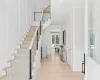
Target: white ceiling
60	9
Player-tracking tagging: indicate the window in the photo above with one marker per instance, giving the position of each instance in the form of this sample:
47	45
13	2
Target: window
53	39
94	36
57	39
91	43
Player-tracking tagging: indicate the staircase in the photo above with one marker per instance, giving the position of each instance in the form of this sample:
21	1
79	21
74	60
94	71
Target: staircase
19	69
26	63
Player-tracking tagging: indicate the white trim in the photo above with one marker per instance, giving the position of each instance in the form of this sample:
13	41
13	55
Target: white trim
86	34
73	44
86	27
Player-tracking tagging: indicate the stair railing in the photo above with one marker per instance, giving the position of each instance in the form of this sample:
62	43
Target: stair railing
42	20
43	14
46	8
34	43
32	50
35	15
44	52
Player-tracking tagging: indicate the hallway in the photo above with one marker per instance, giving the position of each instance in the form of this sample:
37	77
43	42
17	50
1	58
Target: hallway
54	69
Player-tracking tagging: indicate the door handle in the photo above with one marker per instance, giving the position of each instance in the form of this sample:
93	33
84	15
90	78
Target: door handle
83	65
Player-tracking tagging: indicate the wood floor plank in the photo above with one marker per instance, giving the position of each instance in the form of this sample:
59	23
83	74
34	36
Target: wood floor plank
54	69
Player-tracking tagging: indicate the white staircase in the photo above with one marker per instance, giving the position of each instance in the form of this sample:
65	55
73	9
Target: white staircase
19	69
20	65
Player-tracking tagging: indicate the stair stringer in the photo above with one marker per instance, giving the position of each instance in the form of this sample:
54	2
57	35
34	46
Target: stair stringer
15	51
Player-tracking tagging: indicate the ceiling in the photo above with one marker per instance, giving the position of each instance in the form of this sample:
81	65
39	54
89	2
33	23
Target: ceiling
61	8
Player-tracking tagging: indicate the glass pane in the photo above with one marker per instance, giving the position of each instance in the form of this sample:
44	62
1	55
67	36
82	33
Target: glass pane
91	43
53	39
57	39
94	35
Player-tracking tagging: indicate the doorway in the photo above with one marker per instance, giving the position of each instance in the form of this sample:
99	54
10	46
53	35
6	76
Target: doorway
55	41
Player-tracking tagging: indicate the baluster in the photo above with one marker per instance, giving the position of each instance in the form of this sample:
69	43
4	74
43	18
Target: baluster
30	64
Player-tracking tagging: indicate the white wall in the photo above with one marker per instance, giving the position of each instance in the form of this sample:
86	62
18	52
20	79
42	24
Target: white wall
46	39
74	25
15	18
41	4
2	33
17	22
78	37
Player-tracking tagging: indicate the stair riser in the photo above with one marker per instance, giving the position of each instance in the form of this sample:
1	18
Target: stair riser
29	35
23	51
24	47
27	39
26	42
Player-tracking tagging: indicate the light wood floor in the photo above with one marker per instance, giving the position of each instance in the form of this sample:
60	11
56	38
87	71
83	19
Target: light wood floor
54	69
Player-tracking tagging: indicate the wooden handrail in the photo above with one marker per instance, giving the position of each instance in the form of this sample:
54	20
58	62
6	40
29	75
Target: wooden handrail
30	51
42	12
30	64
33	39
46	8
